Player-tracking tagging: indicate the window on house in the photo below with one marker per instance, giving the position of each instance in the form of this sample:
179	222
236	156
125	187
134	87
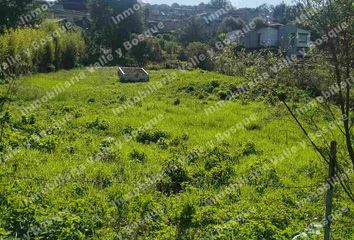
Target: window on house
302	37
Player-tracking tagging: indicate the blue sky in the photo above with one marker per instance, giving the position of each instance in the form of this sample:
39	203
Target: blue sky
236	3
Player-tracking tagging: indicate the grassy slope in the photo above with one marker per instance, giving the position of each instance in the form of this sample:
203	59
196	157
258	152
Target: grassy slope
87	195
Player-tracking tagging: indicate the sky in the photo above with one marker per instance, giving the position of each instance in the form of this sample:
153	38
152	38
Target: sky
236	3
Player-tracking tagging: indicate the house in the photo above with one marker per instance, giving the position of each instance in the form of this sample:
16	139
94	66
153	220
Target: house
293	39
289	38
74	11
133	74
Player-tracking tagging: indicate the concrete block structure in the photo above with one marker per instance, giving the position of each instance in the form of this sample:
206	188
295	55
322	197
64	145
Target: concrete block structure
133	74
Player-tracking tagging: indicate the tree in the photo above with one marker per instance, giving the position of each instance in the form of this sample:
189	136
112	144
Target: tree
193	32
12	10
219	3
200	51
148	50
175	5
280	13
260	22
230	24
114	21
285	14
264	8
338	49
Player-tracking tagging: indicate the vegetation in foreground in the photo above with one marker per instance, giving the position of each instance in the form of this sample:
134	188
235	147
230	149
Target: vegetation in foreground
76	170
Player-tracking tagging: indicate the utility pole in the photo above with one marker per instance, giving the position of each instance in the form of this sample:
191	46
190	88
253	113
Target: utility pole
329	194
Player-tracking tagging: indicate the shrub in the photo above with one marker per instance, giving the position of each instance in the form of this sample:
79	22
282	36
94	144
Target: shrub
198	49
47	61
218	165
72	47
214	84
268	179
222	95
15	43
151	137
175	178
253	126
40	50
220	174
45	145
154	66
202	90
186	217
136	155
177	101
249	149
98	125
162	144
106	152
173	64
102	181
231	63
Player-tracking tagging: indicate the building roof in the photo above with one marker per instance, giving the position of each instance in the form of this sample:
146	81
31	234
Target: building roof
77	5
271	25
275	24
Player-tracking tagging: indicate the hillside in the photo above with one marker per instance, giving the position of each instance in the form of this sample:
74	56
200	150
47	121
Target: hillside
110	160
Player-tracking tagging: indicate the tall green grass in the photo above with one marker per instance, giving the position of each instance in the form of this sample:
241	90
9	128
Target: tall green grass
82	206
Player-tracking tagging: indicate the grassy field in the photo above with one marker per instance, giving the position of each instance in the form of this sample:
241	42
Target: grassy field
77	167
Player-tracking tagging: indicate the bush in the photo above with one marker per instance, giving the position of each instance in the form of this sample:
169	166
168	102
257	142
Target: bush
186	217
151	137
175	178
253	126
72	47
222	95
249	149
198	49
47	62
98	125
218	164
39	49
106	152
177	101
231	63
136	155
45	145
15	43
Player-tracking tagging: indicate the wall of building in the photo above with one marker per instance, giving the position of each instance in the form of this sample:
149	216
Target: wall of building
251	40
287	38
290	40
268	37
302	44
286	35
